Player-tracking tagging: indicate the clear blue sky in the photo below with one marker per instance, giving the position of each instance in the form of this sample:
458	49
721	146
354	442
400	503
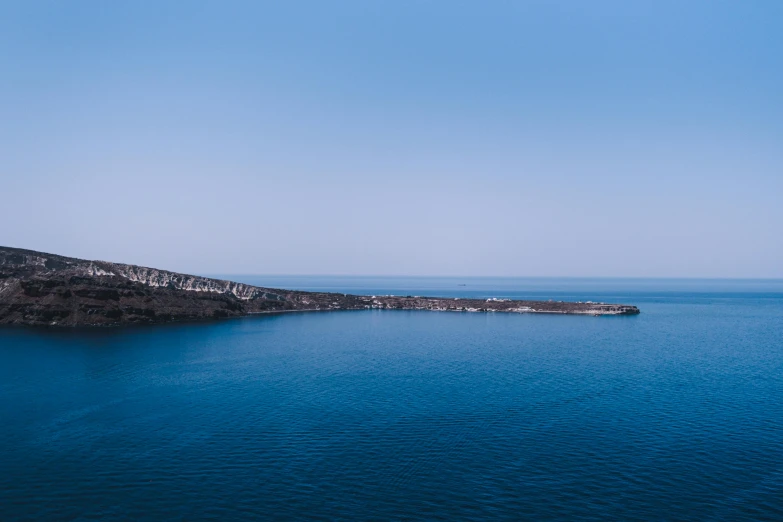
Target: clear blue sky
552	138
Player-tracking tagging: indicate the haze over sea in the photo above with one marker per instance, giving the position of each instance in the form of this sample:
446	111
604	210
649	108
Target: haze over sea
675	413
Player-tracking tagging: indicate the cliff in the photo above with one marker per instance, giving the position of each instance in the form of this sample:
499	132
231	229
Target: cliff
46	289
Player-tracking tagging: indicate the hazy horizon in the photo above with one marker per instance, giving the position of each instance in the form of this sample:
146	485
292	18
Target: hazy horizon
455	139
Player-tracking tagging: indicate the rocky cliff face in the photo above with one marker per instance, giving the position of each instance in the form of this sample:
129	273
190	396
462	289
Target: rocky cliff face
47	289
165	279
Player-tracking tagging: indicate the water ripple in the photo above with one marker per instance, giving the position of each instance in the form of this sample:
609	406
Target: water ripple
675	414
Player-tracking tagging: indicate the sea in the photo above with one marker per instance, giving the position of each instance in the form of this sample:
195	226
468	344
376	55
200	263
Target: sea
674	414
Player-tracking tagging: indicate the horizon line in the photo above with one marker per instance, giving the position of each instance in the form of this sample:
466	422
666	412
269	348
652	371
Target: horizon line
423	276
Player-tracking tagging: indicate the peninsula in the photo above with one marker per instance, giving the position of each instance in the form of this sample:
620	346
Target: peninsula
46	289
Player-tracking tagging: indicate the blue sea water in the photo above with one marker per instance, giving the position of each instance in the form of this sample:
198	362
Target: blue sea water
673	414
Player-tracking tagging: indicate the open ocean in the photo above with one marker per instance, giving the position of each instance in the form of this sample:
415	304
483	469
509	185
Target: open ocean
673	414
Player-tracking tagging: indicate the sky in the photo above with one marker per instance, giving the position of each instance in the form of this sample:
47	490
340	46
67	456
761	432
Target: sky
488	138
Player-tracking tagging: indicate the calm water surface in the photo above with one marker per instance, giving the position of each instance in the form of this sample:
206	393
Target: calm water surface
673	414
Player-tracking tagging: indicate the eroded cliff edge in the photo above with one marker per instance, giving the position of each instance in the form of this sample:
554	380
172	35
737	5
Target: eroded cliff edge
46	289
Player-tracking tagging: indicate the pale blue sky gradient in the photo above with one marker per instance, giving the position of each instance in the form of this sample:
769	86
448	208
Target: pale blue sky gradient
527	138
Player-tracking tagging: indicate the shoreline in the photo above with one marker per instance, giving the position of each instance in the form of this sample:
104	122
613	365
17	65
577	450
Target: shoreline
49	290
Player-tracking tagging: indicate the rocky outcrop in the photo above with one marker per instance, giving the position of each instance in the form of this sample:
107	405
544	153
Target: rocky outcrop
162	278
47	289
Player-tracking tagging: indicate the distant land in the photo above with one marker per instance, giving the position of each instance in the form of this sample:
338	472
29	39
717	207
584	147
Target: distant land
51	290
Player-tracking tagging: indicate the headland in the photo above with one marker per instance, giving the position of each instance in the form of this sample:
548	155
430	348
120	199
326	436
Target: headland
37	288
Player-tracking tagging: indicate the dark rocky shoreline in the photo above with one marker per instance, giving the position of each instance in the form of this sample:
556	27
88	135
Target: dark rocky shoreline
46	289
